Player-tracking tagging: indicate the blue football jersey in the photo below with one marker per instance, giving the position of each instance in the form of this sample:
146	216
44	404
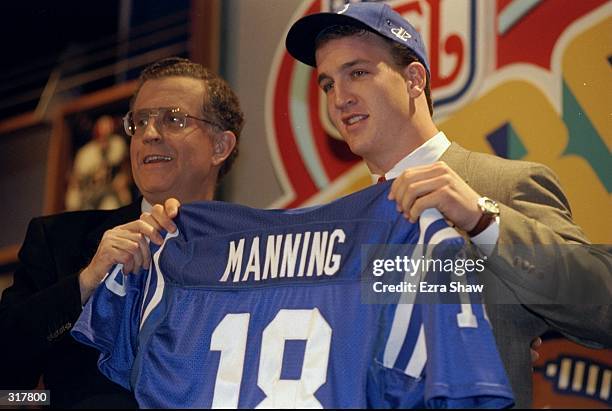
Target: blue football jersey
264	308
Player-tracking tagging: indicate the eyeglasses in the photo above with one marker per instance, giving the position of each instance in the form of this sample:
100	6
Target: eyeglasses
170	121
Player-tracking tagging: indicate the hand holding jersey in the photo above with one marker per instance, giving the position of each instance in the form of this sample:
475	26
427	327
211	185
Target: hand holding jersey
127	245
436	186
160	218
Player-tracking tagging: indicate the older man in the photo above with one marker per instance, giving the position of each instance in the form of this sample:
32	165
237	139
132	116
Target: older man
184	125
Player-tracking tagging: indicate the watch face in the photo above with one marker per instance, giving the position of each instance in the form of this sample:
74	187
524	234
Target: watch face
488	206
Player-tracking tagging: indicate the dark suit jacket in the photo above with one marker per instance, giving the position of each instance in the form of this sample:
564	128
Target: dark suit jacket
535	211
39	309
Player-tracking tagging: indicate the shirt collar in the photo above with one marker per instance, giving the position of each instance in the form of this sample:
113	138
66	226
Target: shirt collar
145	206
429	152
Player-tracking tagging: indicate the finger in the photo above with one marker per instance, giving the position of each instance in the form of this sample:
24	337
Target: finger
397	194
108	244
172	207
121	250
133	232
536	343
401	194
139	226
137	258
152	228
145	252
413	175
158	212
149	219
393	189
399	185
123	257
424	172
134	236
146	225
420	189
430	200
125	245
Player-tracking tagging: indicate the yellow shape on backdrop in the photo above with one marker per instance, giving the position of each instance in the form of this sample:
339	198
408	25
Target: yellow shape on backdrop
544	136
587	71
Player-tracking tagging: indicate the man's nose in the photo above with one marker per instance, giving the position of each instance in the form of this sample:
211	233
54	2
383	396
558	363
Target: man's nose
151	134
343	97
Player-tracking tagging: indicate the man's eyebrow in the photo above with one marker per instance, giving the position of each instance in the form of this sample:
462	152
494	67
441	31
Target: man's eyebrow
343	67
322	77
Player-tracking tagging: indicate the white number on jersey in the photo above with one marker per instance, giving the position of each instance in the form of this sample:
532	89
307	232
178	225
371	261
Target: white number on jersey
230	337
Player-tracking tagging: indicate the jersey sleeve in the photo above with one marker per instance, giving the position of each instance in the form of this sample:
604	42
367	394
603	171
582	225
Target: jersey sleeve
439	356
464	369
109	322
438	350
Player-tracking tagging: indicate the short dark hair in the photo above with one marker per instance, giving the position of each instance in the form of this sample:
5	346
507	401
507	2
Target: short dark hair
219	100
401	55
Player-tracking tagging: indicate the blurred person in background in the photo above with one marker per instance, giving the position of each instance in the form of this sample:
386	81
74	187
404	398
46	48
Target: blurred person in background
99	179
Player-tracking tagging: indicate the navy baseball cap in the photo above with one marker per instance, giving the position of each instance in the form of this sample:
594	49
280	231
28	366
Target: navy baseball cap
378	17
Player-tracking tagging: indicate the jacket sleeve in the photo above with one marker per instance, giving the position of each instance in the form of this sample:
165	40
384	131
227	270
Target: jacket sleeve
35	312
547	262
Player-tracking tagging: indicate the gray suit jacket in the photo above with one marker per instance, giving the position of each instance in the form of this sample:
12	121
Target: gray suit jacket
536	284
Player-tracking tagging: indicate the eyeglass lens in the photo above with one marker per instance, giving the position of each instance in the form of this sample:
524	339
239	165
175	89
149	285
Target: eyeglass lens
168	120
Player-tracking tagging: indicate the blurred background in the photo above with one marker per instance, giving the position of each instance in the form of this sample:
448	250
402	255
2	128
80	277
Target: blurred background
523	79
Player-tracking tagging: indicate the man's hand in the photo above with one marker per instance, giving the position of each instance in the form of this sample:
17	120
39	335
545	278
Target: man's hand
161	217
127	244
436	186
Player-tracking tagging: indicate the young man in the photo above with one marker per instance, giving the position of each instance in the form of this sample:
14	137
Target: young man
184	126
373	68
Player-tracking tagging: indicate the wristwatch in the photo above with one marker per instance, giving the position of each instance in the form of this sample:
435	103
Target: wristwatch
490	211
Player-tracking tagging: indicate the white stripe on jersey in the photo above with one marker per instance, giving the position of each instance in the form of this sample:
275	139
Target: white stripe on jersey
419	356
146	290
399	328
159	288
442	235
403	311
428	216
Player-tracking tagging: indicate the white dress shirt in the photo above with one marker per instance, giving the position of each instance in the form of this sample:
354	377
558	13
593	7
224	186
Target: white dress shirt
430	152
145	206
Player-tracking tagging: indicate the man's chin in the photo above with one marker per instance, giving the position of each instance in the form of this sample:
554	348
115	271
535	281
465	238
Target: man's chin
156	194
358	148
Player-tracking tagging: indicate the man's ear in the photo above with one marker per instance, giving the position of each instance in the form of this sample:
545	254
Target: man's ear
416	78
223	145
